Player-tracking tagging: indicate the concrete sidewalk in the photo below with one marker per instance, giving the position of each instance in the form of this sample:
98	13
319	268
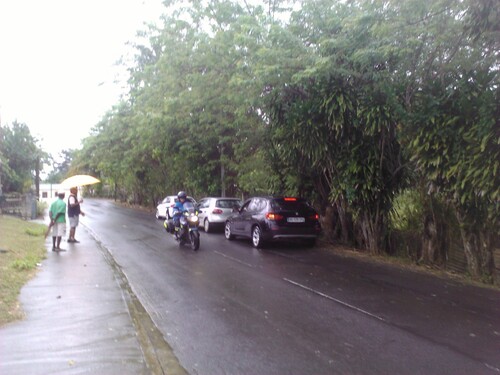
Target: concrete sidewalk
79	320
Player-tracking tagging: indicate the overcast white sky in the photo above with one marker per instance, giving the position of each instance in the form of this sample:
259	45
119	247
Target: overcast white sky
57	63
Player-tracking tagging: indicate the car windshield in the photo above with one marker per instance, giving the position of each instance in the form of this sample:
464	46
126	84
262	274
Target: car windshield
226	203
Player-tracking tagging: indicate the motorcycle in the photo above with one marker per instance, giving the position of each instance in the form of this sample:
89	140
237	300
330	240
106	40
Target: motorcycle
188	231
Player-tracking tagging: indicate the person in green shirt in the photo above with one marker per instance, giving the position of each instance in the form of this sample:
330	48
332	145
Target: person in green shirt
57	214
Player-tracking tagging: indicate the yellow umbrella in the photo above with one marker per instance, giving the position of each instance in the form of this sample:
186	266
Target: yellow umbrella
79	180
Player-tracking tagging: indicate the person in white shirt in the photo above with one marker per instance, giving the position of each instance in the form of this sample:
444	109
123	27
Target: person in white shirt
74	212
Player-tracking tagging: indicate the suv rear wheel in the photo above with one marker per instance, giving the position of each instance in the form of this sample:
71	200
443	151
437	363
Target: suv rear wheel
257	240
227	231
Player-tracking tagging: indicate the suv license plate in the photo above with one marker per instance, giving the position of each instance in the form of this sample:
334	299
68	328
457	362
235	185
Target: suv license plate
296	220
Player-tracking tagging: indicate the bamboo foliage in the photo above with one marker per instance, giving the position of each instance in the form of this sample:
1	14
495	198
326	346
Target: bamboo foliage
347	103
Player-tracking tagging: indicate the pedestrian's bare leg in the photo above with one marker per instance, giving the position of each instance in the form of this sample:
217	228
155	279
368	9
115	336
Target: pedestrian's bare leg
72	233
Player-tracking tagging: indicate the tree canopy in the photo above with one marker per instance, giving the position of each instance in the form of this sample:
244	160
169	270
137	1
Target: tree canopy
348	103
20	158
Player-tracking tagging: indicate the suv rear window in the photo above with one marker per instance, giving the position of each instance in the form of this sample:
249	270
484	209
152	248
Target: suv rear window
291	205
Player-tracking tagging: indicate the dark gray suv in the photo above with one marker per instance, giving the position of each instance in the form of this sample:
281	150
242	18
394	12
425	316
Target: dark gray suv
271	218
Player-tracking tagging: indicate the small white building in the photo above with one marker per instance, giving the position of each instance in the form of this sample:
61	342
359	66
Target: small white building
48	192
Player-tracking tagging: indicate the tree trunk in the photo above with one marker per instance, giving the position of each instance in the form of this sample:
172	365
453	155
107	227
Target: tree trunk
345	223
372	229
434	244
478	249
328	223
37	179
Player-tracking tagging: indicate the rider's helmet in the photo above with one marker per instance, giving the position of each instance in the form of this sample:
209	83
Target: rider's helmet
181	194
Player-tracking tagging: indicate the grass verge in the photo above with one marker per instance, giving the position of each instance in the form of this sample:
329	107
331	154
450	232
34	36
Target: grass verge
21	250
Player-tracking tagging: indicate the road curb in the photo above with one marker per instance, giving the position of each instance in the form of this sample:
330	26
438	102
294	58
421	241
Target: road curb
159	355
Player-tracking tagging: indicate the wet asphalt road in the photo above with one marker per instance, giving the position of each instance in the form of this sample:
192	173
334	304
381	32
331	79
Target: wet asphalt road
232	309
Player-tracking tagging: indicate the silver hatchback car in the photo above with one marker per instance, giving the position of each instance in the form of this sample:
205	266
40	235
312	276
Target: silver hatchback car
213	211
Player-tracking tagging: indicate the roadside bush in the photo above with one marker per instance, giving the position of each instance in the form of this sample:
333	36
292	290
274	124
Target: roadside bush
408	212
40	208
406	225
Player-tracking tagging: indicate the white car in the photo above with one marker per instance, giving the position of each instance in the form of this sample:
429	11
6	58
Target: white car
213	211
165	207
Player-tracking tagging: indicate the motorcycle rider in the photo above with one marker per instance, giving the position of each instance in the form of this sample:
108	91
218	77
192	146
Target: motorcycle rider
185	229
178	208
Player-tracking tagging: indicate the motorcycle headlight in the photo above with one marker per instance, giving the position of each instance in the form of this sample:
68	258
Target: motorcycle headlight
193	218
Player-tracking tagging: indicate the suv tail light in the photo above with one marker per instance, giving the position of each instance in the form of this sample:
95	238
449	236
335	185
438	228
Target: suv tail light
273	216
314	217
217	211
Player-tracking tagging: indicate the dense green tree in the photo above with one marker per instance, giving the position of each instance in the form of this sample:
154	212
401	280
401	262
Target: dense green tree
61	167
452	127
456	147
337	118
347	103
21	158
108	151
193	93
371	87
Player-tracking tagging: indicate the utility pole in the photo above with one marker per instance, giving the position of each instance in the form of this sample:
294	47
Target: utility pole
37	177
222	172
